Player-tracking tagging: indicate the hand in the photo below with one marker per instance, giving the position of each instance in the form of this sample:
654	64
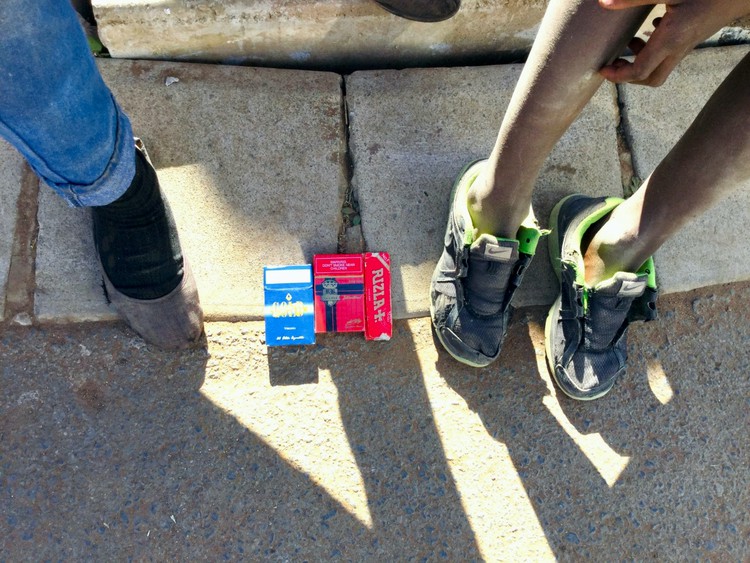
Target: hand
685	24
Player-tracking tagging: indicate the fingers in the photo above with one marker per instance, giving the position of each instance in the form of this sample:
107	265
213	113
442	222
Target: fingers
640	70
622	71
636	45
660	75
654	60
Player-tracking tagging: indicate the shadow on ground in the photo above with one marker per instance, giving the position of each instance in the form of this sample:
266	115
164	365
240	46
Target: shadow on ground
654	469
109	448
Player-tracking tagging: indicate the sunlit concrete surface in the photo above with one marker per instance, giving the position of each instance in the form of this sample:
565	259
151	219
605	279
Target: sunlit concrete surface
354	450
251	161
254	163
386	451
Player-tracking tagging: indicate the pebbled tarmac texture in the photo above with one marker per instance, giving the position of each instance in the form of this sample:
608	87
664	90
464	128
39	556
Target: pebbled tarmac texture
387	451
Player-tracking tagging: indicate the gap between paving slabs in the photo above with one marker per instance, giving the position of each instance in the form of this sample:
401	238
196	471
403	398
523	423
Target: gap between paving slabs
351	237
630	181
19	290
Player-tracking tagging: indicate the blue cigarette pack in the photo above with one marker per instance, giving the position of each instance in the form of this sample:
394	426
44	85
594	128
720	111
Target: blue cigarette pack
289	309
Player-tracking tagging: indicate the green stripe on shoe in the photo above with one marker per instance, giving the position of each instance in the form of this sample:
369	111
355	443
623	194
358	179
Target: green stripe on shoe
649	269
528	238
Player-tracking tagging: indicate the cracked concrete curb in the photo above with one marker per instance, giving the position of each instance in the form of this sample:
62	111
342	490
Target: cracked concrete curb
259	164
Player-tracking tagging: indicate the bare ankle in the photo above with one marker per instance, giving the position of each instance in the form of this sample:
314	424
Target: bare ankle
595	267
494	213
613	246
608	244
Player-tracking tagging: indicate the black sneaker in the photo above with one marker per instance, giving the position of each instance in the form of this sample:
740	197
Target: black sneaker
422	10
475	279
586	329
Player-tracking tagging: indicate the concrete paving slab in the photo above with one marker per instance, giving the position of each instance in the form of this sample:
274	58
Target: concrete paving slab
412	131
655	120
252	163
11	174
68	282
312	33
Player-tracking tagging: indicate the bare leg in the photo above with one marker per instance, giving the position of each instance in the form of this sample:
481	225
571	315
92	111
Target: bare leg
711	159
575	40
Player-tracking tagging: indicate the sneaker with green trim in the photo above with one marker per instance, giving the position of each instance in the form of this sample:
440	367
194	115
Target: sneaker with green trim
475	279
586	329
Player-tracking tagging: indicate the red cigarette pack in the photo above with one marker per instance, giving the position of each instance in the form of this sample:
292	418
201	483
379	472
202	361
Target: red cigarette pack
339	292
378	318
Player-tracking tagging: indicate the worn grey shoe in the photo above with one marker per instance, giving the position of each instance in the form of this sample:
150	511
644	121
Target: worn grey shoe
474	281
422	10
147	278
171	322
586	329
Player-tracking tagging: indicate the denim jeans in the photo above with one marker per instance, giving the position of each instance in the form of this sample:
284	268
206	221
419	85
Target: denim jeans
55	108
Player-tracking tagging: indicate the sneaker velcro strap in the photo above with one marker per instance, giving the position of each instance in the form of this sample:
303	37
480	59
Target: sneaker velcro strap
462	262
519	270
516	276
573	312
571	306
644	307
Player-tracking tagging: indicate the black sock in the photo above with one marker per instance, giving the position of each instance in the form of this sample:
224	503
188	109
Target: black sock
137	239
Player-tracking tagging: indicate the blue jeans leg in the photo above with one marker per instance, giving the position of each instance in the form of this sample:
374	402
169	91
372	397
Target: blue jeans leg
55	108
